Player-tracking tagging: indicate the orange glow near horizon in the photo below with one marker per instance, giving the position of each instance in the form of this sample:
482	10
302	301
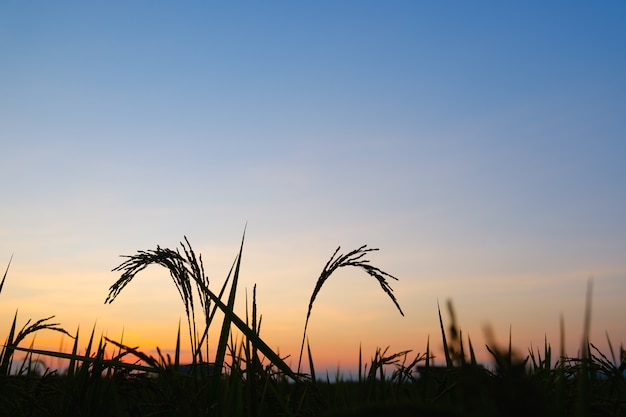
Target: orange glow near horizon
350	311
489	168
333	345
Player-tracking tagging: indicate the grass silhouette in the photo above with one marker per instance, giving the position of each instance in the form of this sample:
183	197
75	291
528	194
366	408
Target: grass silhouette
248	378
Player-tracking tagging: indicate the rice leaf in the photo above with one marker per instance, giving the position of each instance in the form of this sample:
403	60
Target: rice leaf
8	348
72	366
312	367
221	346
446	350
86	359
4	277
254	338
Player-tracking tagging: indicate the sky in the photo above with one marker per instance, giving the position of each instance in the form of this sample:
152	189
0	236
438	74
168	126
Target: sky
481	146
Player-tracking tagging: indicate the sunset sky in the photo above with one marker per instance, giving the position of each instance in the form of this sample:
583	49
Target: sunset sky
480	145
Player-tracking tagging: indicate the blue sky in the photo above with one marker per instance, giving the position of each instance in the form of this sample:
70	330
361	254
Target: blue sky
480	145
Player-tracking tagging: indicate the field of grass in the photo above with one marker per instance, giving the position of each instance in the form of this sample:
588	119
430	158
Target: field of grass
247	378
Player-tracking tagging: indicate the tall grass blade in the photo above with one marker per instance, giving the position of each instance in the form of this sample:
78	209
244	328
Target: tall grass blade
461	349
509	357
204	339
472	355
223	341
562	335
72	365
256	327
446	350
154	365
426	373
582	403
587	322
8	349
360	364
4	277
608	340
88	359
90	343
311	365
177	351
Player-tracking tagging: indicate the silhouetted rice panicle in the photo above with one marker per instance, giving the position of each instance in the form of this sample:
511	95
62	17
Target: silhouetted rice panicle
353	258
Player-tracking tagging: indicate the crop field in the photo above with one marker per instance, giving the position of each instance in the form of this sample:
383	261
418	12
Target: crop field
245	377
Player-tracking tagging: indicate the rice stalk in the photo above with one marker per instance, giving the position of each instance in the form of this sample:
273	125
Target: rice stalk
88	359
360	380
354	259
204	339
13	341
154	365
472	355
183	270
72	365
312	366
425	372
583	402
4	277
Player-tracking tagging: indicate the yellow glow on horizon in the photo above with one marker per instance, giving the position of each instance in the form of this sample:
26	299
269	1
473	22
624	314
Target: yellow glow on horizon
148	311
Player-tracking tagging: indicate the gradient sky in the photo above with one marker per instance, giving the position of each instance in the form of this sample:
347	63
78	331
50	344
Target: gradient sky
480	145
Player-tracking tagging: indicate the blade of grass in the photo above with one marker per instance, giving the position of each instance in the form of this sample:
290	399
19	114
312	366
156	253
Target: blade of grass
472	355
7	350
87	359
209	320
223	341
446	350
254	338
360	364
177	351
72	366
582	403
311	366
4	277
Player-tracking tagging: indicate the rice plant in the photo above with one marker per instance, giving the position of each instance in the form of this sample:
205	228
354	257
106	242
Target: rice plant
185	270
13	340
247	378
355	259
